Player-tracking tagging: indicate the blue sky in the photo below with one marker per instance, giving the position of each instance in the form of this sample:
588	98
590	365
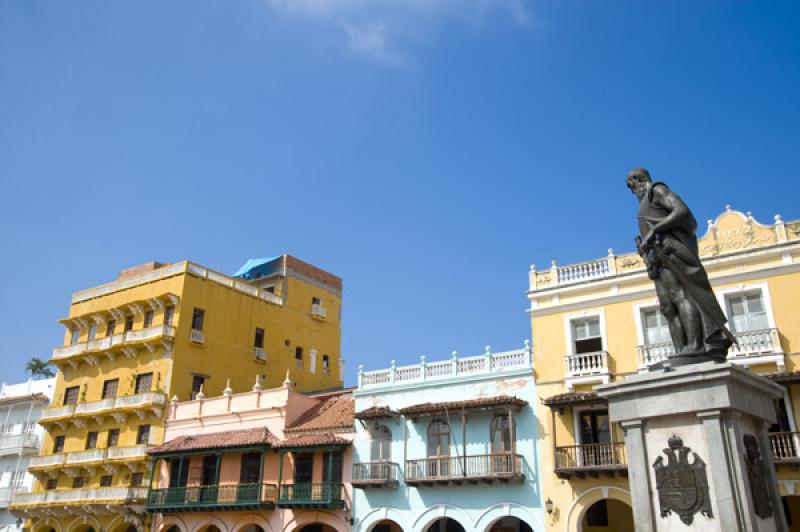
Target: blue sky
427	151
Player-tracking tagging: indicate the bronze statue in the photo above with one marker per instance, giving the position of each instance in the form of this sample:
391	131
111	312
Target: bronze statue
668	245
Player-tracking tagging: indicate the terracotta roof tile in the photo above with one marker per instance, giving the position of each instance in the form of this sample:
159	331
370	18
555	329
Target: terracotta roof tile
334	413
572	398
469	404
217	440
311	440
376	412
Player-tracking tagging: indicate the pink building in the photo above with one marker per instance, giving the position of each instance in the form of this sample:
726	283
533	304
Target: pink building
260	461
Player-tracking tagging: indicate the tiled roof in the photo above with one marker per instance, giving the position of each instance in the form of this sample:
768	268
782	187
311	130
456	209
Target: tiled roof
376	412
311	440
469	404
786	377
572	398
24	398
217	440
331	414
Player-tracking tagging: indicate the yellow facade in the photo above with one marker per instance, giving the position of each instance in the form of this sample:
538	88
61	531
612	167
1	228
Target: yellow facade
597	322
147	323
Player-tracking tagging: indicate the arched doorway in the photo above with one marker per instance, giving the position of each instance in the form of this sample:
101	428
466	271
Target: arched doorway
510	524
445	524
317	527
387	525
252	528
607	515
211	528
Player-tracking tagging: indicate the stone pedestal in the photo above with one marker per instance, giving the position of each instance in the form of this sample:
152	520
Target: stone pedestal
725	480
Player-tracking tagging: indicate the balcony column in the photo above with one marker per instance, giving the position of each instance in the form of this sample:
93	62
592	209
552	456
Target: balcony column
553	430
218	466
261	475
328	486
513	435
280	471
464	441
153	464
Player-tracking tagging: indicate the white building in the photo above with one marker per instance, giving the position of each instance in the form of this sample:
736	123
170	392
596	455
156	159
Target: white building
20	437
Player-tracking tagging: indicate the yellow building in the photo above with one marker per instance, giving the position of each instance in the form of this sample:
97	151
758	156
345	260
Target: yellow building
162	331
598	321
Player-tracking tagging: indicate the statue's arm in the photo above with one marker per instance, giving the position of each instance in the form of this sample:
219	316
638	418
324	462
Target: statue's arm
679	213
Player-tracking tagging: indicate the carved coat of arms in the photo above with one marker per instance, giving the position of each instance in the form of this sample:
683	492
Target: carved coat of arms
682	486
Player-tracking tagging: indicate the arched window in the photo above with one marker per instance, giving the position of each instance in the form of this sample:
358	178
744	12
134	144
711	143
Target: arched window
380	449
438	438
500	434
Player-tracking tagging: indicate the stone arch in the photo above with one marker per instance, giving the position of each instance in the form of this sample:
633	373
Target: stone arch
118	524
382	514
310	518
588	498
433	513
209	520
86	520
170	520
46	524
251	519
495	513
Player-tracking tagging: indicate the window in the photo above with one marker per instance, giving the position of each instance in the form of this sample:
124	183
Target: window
438	438
137	479
78	482
52	483
74	336
656	330
113	438
144	383
332	467
326	363
143	435
782	417
106	480
169	312
248	471
381	444
259	339
303	466
91	440
128	322
58	444
110	388
594	427
210	470
92	331
110	327
197	319
500	434
747	312
298	353
71	395
148	319
178	472
197	385
316	301
586	335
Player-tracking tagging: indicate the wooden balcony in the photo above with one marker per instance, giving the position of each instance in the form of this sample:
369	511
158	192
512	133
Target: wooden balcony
379	474
592	459
485	468
311	495
212	497
785	447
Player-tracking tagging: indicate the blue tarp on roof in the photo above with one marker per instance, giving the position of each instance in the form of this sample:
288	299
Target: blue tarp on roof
252	264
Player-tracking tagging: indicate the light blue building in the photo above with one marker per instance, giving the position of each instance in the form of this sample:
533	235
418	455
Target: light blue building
448	446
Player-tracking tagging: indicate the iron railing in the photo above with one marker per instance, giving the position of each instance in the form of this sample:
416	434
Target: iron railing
591	455
210	496
379	472
310	493
485	466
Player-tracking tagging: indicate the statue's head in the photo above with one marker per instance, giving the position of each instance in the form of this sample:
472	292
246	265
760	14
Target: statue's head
639	182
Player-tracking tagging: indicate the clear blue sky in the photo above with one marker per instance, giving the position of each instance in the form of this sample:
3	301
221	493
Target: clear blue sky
427	151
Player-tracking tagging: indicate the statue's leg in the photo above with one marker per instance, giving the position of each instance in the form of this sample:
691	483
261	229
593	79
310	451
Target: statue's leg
687	314
669	310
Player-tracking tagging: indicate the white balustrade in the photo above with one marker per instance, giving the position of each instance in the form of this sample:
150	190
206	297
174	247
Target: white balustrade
17	441
150	333
127	453
70	350
22	497
650	354
94	406
48	460
92	455
140	399
455	366
319	310
61	411
94	495
99	344
756	343
576	273
594	363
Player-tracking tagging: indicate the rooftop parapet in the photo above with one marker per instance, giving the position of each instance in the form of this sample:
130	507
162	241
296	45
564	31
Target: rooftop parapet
732	232
487	363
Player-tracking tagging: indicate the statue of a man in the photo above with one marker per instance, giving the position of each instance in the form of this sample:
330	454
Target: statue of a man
668	245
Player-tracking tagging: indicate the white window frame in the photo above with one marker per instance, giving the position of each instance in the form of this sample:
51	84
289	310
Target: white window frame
600	314
787	401
638	309
763	287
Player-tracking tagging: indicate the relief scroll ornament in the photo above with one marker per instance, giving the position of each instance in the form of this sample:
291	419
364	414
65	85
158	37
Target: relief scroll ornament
682	486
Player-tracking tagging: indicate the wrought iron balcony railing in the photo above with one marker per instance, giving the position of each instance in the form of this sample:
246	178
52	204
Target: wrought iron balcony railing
311	494
501	467
591	458
375	474
216	496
